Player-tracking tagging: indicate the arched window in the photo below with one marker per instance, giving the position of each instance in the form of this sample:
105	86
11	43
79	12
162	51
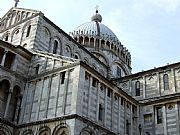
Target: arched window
55	47
101	112
137	87
61	131
81	40
92	42
86	41
76	56
118	72
166	81
28	31
15	104
4	89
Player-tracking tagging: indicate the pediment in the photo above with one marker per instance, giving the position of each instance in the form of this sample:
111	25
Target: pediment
15	16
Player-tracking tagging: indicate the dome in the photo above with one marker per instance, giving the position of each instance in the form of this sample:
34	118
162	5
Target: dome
95	29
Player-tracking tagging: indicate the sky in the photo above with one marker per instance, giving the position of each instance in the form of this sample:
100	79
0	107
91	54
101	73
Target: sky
149	29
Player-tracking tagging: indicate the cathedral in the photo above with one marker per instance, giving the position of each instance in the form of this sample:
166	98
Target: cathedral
54	83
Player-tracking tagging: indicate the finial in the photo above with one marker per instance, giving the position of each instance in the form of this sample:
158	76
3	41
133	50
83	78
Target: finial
96	8
16	3
97	17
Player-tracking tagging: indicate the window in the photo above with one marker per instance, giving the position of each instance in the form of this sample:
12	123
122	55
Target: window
137	87
159	115
166	81
127	127
28	31
86	76
9	60
109	93
118	72
94	82
147	119
55	47
37	69
100	112
63	77
122	101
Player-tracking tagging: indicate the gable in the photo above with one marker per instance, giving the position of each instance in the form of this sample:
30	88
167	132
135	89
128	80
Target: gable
15	16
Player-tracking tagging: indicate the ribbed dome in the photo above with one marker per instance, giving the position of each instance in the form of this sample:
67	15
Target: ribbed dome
95	29
91	28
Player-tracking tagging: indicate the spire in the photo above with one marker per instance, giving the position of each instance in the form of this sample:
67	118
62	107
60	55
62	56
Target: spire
16	3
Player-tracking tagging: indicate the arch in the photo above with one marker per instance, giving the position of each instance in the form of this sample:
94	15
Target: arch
77	55
62	129
28	31
107	45
56	47
101	57
6	78
81	40
45	130
46	35
27	132
137	88
67	51
87	131
166	81
4	130
112	46
92	42
15	104
102	43
15	36
86	41
114	68
18	17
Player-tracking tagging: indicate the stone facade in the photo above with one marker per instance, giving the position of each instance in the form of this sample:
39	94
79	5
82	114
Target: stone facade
52	83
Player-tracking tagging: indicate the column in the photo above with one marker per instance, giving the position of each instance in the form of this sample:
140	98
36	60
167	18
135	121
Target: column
16	119
8	102
48	95
173	80
97	109
83	41
144	87
158	84
89	94
4	57
105	106
119	114
131	132
65	92
130	87
57	96
177	118
164	119
112	110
